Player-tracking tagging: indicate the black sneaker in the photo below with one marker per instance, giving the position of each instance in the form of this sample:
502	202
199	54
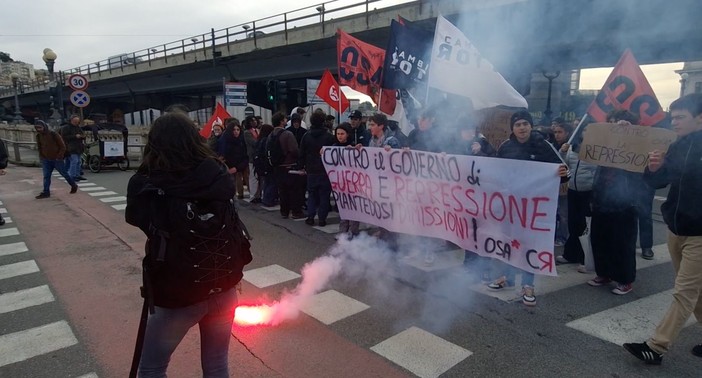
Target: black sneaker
43	195
322	223
697	350
297	216
647	253
74	188
309	221
2	221
256	200
644	353
80	178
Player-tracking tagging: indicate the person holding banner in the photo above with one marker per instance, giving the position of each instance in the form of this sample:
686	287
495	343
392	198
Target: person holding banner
343	131
578	199
318	185
681	168
524	144
614	220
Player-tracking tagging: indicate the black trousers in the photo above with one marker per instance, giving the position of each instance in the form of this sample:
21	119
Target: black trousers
644	207
578	209
291	191
614	244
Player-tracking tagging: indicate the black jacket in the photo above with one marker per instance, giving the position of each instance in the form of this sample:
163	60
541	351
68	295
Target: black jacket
535	149
682	169
312	142
74	145
360	135
298	132
233	150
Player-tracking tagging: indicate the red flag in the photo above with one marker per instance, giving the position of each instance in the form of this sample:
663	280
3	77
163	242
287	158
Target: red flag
329	91
360	67
219	115
626	88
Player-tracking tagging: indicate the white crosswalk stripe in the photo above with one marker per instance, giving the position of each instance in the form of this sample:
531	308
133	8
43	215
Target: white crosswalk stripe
22	345
8	232
99	194
18	269
113	199
121	206
93	189
25	298
12	248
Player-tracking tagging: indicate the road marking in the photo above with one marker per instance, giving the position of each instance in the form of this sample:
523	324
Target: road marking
0	202
660	198
3	210
113	199
82	184
98	194
12	248
18	269
568	276
89	375
331	306
421	352
631	322
93	189
7	220
269	276
23	345
8	232
120	206
25	298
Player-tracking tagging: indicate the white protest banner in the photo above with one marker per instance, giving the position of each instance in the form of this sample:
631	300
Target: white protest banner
623	146
457	67
500	208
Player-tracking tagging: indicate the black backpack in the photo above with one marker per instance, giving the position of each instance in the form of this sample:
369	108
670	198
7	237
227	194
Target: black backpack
274	151
195	249
260	162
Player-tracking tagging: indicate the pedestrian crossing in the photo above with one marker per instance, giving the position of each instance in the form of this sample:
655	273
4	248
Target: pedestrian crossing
427	354
33	336
117	202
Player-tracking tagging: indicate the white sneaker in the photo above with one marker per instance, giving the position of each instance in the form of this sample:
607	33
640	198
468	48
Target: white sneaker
528	297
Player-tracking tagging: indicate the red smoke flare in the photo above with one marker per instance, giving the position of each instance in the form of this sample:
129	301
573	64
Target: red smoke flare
245	316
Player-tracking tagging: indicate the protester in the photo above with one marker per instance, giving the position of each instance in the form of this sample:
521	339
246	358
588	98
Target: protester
269	195
394	127
291	186
613	228
299	111
578	199
681	168
359	135
51	153
4	158
216	133
178	162
73	136
348	227
524	144
232	147
251	135
318	185
561	134
296	127
425	137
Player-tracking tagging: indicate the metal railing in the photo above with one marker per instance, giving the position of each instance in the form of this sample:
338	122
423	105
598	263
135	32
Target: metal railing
207	43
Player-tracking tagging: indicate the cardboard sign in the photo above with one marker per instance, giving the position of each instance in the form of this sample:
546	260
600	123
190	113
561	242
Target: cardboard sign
482	204
623	146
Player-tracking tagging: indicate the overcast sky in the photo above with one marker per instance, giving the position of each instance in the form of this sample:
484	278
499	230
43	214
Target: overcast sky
86	32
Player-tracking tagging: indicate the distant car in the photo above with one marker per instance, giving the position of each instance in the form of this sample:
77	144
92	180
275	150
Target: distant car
257	33
118	61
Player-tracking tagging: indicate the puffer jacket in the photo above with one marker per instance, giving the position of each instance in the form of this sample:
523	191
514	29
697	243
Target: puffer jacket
582	173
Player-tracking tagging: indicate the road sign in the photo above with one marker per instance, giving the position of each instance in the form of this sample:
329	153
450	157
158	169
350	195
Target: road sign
80	99
77	82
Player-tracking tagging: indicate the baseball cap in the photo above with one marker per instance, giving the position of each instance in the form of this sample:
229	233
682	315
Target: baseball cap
356	114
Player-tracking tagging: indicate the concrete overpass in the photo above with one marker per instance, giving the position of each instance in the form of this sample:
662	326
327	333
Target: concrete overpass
520	37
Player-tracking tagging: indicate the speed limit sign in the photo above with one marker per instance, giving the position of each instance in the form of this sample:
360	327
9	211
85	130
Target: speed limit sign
77	82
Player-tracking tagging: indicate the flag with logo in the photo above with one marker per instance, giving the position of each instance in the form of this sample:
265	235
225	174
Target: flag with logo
626	88
406	57
458	67
330	91
219	115
360	67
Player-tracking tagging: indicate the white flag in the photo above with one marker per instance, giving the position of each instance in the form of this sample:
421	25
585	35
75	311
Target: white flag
457	67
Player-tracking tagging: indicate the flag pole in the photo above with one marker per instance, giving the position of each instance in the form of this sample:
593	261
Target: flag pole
572	135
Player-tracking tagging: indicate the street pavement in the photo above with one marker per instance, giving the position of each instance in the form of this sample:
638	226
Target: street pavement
69	304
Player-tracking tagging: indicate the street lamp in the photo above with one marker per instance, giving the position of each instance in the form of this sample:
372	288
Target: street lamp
683	83
49	58
547	113
15	84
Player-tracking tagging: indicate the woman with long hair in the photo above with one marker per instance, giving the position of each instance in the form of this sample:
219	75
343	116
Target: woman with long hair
178	162
232	147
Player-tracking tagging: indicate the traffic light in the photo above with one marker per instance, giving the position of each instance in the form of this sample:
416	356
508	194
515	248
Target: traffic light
271	90
282	91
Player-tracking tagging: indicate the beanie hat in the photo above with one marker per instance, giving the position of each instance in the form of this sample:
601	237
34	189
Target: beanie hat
522	114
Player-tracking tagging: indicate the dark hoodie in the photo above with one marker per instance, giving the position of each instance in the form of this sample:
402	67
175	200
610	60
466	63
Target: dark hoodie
535	149
233	150
310	145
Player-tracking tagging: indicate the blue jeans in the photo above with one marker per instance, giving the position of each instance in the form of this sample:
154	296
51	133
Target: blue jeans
319	190
72	163
510	272
166	327
270	190
48	166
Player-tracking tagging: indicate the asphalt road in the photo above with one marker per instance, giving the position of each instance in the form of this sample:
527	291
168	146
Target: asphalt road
374	313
